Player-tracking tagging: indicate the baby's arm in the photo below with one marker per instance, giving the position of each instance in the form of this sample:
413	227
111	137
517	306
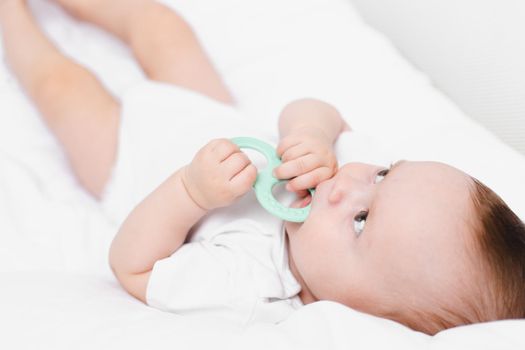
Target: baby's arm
311	114
218	175
308	129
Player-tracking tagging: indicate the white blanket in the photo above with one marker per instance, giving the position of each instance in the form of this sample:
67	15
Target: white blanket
57	291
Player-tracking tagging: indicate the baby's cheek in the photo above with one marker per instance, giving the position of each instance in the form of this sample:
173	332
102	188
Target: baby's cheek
321	247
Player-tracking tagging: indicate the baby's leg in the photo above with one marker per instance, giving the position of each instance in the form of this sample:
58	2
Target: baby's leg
163	43
78	110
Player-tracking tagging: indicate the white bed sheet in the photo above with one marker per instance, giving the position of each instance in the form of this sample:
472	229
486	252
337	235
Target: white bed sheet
57	291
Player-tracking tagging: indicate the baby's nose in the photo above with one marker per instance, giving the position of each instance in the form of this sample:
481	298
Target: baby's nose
347	184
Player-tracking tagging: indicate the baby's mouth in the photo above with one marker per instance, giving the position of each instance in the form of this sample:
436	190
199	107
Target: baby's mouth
302	202
306	201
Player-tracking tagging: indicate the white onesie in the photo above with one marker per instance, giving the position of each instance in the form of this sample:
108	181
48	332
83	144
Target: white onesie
235	263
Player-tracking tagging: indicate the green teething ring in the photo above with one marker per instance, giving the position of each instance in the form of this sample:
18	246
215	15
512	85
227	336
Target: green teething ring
265	182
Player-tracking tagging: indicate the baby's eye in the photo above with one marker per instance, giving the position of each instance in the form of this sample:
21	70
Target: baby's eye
360	219
381	175
359	222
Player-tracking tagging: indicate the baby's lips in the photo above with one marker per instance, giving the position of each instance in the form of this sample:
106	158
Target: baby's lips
301	202
306	201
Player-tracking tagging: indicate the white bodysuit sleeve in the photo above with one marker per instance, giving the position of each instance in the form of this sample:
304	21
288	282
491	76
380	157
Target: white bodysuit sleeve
235	274
198	277
355	146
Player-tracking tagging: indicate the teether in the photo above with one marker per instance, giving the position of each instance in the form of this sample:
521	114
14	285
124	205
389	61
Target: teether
265	182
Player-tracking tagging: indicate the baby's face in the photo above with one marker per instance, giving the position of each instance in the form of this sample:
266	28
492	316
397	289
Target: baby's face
376	241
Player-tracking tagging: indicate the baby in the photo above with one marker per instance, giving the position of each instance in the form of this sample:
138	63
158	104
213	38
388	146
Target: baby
421	243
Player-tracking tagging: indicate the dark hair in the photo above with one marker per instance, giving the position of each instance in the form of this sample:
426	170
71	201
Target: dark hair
500	235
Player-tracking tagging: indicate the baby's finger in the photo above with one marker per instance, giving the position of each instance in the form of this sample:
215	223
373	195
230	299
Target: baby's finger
243	181
295	152
309	180
296	167
221	149
234	164
286	143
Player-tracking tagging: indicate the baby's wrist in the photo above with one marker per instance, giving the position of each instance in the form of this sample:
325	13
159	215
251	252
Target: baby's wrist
191	191
311	114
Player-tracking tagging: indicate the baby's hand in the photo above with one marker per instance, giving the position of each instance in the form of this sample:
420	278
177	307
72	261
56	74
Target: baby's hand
218	175
308	157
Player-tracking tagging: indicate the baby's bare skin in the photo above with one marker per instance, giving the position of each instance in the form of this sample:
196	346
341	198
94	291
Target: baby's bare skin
81	113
